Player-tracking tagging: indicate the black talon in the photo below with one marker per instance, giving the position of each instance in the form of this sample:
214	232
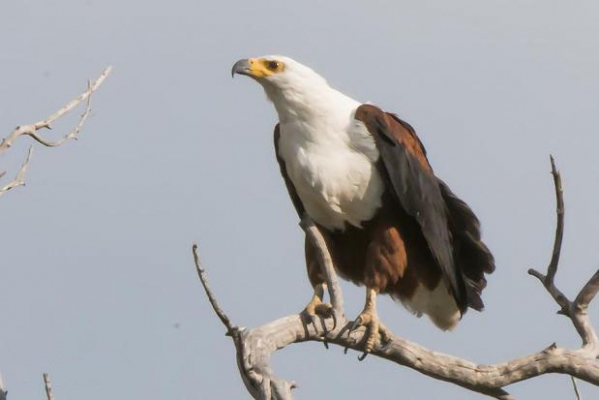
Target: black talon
345	350
355	325
334	320
363	356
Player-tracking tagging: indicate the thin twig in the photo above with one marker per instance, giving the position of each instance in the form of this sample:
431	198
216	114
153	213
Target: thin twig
559	230
20	178
255	375
204	279
548	279
32	129
48	385
75	131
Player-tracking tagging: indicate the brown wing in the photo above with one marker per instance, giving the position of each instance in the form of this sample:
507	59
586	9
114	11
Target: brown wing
471	255
406	168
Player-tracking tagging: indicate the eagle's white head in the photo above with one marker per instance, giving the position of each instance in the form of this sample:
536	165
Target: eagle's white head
295	89
278	73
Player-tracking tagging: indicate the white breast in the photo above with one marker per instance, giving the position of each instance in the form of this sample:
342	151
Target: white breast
331	165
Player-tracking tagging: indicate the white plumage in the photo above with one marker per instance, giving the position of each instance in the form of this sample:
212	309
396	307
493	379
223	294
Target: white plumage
329	156
438	304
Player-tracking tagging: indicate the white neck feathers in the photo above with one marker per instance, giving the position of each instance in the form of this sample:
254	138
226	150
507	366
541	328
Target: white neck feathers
312	100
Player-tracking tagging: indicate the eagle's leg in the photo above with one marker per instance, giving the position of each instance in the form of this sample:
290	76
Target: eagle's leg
376	331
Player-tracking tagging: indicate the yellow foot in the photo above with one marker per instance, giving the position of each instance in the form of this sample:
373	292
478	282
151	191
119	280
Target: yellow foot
317	308
376	331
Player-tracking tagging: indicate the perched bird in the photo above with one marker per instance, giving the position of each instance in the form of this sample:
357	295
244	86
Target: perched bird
362	175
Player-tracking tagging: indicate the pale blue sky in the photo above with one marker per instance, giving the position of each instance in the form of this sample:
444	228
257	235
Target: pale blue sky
97	284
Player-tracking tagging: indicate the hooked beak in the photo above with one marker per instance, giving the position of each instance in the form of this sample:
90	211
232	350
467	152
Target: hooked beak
241	67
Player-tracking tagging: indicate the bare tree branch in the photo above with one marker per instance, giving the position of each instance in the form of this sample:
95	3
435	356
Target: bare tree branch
260	383
20	178
32	129
547	280
255	346
577	310
204	279
559	231
48	385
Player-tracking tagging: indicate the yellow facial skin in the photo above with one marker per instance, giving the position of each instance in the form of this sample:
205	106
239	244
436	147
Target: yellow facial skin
262	67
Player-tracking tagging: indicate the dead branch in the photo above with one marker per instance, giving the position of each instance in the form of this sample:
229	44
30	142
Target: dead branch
255	346
20	178
48	386
575	310
259	382
204	279
32	130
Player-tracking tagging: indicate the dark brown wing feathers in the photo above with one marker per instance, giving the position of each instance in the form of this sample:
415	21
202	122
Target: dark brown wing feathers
450	228
415	187
474	257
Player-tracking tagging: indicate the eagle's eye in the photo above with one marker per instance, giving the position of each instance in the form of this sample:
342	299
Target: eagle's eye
273	65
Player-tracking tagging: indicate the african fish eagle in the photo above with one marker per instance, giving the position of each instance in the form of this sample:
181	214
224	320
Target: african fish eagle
362	175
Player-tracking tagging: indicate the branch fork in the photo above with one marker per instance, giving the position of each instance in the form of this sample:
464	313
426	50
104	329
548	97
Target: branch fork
255	346
32	130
